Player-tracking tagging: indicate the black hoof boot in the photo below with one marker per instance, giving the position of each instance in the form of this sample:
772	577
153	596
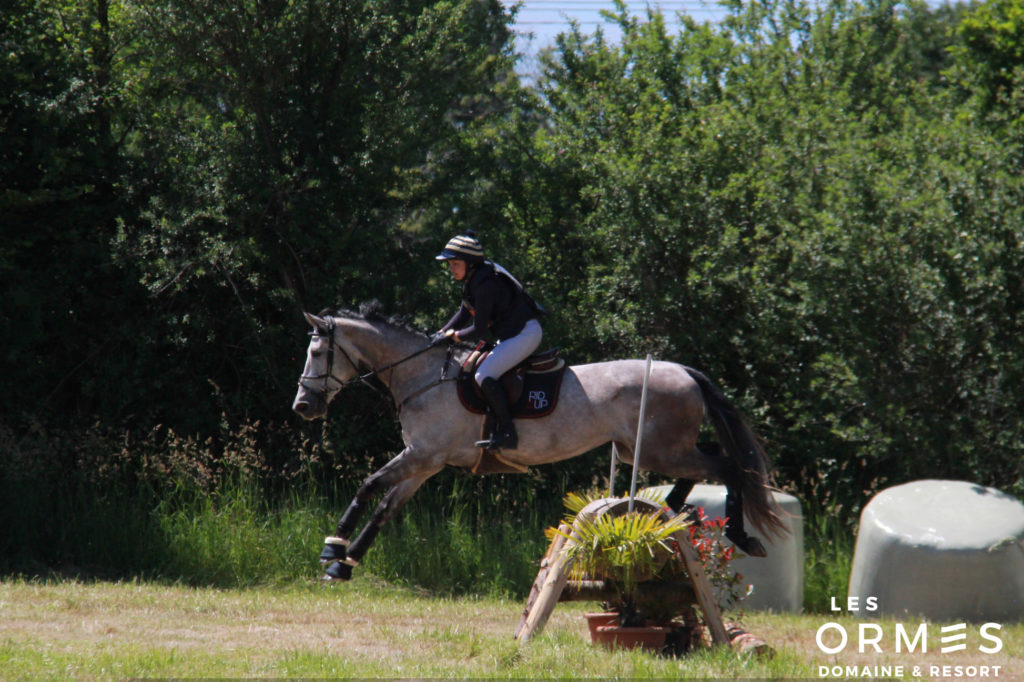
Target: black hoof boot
747	544
333	551
337	571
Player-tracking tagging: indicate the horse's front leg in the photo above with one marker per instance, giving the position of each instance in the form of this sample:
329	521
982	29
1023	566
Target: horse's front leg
402	476
336	546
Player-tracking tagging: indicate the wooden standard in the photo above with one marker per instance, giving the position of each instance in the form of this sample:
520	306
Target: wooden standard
550	587
547	588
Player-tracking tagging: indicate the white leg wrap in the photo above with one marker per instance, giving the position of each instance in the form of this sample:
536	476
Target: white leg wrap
331	540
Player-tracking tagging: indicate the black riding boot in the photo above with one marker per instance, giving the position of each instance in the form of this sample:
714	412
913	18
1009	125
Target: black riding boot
504	434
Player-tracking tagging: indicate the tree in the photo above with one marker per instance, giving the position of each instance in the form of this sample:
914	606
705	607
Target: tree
58	168
990	51
731	176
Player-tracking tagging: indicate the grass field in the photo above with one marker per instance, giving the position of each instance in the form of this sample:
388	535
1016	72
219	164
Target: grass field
368	628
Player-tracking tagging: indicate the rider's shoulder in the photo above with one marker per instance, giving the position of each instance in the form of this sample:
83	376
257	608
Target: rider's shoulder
484	275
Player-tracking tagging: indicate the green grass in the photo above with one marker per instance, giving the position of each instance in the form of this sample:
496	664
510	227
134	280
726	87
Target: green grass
224	584
450	539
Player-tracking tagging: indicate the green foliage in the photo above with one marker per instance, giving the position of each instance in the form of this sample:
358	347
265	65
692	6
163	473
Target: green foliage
819	205
990	50
828	557
789	201
453	540
626	549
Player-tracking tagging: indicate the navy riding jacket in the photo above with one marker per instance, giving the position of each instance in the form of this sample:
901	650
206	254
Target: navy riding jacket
491	302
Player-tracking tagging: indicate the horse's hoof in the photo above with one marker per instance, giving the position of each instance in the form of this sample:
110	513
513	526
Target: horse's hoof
691	513
338	571
333	552
747	544
753	547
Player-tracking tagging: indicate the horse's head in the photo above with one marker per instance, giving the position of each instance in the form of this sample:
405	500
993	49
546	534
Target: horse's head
328	367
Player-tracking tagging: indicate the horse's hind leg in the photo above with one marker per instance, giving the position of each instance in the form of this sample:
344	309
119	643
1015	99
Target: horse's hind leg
676	497
734	529
730	474
734	524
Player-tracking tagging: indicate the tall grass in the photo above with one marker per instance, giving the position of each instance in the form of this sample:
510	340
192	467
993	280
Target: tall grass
447	540
178	510
237	537
454	541
828	557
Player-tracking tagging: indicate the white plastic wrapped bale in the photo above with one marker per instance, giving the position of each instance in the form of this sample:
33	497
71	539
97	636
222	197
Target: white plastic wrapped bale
945	550
778	579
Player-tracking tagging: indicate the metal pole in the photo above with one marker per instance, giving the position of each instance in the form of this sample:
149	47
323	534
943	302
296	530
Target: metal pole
611	476
639	433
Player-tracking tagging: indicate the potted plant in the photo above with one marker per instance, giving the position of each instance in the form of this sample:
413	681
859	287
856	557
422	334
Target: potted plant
630	561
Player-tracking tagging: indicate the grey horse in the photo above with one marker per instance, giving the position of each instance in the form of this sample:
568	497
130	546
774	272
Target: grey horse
599	404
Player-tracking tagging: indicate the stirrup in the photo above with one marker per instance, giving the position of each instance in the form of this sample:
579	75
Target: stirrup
500	440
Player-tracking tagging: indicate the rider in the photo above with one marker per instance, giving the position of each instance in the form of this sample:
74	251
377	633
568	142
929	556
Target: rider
493	301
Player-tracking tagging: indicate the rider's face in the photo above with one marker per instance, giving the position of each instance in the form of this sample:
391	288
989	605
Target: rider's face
457	266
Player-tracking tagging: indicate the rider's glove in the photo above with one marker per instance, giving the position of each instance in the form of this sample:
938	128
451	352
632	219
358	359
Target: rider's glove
447	336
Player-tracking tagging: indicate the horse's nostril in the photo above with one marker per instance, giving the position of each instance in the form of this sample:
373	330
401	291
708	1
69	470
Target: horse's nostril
301	407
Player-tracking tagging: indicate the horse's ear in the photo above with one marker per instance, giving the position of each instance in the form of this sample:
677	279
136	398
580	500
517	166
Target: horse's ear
316	322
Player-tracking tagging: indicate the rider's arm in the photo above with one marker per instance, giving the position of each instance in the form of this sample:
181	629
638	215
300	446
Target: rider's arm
461	317
485	297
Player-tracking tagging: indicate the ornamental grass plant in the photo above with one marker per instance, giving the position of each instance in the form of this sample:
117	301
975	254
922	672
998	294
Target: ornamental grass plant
627	550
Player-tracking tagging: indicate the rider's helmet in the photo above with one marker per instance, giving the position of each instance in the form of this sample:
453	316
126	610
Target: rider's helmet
465	247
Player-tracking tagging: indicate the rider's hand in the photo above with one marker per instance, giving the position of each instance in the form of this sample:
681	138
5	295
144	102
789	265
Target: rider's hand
447	336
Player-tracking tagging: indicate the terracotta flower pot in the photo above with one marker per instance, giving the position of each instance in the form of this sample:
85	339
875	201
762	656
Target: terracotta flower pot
599	618
651	638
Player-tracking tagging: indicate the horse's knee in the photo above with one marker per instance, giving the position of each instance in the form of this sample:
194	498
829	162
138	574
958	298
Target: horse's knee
371	486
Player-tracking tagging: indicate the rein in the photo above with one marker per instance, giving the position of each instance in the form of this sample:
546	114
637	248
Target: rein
365	377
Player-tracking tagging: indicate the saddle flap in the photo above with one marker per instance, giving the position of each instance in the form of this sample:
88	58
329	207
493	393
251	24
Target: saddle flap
532	393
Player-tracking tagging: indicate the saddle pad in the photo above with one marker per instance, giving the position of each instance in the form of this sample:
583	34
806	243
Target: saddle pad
538	399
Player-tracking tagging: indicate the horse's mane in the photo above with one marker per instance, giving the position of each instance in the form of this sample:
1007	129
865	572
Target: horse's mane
371	312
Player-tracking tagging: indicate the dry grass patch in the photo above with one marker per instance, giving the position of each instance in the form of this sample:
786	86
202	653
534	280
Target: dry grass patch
363	629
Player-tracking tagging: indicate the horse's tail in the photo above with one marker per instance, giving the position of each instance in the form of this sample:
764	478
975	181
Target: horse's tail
742	446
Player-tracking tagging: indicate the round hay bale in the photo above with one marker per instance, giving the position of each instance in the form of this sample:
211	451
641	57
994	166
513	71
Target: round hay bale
945	550
778	578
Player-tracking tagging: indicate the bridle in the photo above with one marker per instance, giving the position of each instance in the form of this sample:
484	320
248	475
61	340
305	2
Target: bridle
325	392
